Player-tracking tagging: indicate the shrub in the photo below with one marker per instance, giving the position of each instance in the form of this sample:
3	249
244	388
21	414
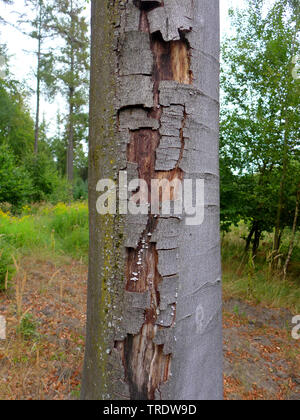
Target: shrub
61	193
69	218
46	182
28	328
6	264
59	229
80	191
15	183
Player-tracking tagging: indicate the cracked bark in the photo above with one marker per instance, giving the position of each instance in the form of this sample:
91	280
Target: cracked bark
154	300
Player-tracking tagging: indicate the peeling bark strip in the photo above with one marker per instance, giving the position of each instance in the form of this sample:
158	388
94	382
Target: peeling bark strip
154	304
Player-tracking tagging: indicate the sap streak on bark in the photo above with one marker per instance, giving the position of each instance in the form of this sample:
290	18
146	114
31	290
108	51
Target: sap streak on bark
159	329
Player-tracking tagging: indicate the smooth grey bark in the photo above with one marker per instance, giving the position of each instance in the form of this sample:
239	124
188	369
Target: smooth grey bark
154	111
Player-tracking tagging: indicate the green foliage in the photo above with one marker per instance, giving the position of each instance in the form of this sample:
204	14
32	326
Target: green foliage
70	226
25	178
260	118
251	279
60	230
6	264
61	193
15	183
80	191
46	183
16	124
230	197
37	25
70	75
43	175
28	328
38	182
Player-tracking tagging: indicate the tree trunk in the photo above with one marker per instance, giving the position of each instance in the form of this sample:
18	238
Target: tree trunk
256	242
292	243
249	238
70	150
38	89
154	319
278	227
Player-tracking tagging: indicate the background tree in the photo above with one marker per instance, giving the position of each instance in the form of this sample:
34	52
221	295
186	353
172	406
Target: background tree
24	177
62	70
71	71
292	242
42	11
16	125
260	118
15	183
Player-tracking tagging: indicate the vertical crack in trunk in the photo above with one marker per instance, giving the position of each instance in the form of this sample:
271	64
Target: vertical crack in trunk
146	365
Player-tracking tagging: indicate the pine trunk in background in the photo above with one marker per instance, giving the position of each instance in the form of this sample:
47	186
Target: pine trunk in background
154	112
70	149
38	81
38	95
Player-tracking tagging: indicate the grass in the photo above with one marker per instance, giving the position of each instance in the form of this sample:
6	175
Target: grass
42	355
52	231
253	280
62	231
27	328
44	254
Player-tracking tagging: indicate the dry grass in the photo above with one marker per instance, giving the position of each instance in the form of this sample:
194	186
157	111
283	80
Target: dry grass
45	311
42	356
253	280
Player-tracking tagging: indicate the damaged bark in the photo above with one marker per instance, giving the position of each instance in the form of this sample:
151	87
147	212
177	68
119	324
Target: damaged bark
154	301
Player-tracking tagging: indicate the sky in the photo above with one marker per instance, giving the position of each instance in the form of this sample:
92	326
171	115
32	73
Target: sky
22	60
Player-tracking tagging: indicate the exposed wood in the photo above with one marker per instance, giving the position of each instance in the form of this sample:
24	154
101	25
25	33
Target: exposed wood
146	365
154	305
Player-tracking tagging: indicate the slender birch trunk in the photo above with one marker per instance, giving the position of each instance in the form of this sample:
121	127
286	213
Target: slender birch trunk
154	327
